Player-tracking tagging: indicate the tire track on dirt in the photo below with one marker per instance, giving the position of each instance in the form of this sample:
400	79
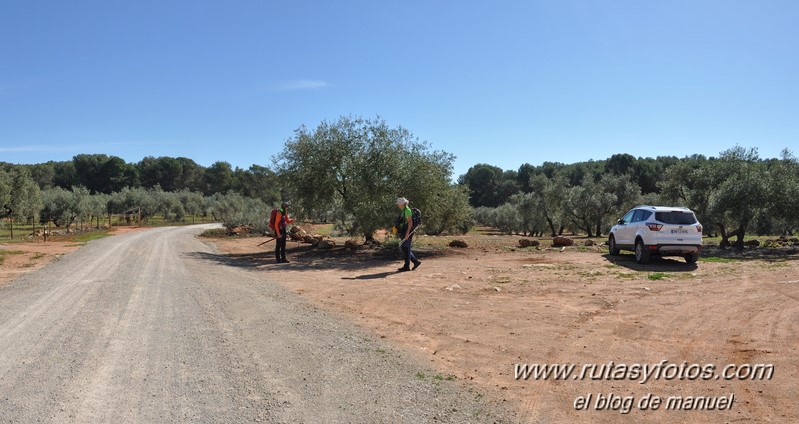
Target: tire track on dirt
118	335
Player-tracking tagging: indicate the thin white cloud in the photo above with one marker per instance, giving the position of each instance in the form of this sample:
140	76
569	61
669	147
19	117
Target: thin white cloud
300	84
23	149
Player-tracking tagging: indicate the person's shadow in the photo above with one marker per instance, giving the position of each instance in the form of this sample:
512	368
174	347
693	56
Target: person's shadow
371	276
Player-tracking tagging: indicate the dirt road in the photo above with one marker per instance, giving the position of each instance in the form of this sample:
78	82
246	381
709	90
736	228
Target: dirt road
140	328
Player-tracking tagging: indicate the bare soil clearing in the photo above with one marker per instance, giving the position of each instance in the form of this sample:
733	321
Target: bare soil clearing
474	313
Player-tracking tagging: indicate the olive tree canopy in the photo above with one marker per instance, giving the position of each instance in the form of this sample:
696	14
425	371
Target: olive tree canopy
352	169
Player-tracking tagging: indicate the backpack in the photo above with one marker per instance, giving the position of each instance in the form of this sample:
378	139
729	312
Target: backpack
416	218
272	219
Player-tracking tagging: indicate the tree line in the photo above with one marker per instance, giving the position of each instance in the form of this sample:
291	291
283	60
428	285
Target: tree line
348	172
92	186
25	203
732	194
100	173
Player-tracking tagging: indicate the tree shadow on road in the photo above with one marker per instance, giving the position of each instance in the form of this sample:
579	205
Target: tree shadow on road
302	258
709	254
656	264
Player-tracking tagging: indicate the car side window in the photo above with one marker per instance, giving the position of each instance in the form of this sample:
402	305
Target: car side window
628	218
641	215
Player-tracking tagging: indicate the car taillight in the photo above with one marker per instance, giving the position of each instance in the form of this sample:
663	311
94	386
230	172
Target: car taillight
654	227
699	228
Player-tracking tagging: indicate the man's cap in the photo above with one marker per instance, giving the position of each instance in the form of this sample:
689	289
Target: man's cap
402	201
285	203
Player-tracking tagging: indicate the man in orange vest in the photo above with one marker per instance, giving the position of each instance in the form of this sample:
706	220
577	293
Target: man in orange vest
281	220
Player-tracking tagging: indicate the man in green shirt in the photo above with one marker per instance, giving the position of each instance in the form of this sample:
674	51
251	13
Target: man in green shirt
405	231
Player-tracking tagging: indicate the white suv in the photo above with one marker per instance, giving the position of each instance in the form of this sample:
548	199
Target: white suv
659	230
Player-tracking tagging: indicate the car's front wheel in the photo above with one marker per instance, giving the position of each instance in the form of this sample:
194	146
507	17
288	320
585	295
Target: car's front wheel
614	250
641	254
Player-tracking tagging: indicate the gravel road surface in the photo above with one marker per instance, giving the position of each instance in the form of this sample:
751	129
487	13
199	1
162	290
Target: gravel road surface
140	327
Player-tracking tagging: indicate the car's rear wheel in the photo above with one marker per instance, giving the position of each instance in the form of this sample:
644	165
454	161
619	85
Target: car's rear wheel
691	258
614	250
641	254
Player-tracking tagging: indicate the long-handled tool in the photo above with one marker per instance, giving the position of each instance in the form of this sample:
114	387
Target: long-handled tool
271	239
409	235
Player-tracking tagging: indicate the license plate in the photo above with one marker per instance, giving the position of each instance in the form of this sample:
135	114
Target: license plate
680	231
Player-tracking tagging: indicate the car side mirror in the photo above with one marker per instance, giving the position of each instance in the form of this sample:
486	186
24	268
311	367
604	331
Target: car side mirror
620	222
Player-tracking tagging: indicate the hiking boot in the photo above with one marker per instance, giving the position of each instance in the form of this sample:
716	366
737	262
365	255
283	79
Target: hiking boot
416	264
285	261
403	269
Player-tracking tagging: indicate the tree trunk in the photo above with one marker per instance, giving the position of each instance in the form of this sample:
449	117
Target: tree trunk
560	231
724	243
598	229
551	225
12	227
725	236
739	242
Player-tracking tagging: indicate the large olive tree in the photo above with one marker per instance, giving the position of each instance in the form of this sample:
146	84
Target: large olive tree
352	169
742	195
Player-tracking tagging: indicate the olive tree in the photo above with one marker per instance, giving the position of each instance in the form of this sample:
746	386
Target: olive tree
24	198
784	191
5	194
449	213
691	183
63	207
192	203
591	203
356	167
97	206
506	218
167	204
549	191
235	210
482	215
530	210
129	201
624	194
741	196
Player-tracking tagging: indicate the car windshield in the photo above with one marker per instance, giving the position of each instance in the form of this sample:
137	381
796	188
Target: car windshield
676	217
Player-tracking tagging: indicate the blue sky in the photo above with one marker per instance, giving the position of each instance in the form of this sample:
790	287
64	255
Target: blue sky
503	82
